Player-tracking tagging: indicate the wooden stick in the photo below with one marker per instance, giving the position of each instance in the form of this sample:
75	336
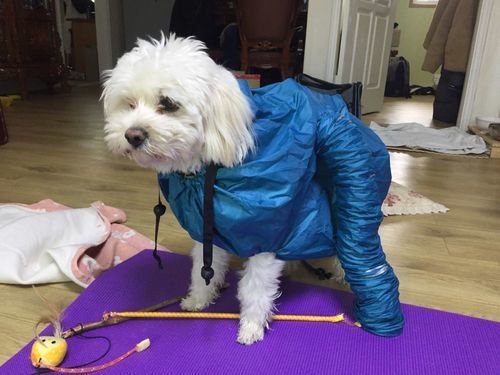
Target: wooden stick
115	320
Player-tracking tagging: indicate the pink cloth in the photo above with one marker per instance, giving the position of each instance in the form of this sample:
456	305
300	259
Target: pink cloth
49	242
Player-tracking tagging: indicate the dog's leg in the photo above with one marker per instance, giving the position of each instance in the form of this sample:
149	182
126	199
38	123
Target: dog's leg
201	295
257	290
338	273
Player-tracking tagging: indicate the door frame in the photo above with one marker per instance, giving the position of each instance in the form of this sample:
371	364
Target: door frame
320	53
484	17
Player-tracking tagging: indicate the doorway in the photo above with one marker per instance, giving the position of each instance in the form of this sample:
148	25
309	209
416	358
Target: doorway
77	29
321	52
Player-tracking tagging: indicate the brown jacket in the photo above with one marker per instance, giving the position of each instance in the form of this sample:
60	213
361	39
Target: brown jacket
449	37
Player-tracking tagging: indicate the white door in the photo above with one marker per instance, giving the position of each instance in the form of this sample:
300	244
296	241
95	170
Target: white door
350	41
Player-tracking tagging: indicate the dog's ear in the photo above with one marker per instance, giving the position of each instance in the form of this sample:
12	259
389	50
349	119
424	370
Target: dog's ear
227	122
107	92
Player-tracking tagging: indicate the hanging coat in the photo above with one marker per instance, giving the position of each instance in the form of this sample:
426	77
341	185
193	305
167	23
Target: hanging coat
450	34
313	188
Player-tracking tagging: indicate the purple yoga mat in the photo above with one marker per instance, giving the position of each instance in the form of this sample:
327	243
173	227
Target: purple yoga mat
433	342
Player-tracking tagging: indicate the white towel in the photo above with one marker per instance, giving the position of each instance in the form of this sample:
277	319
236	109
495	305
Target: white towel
38	247
47	242
450	140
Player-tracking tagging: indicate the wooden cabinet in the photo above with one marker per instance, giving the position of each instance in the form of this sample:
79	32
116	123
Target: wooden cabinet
84	48
30	46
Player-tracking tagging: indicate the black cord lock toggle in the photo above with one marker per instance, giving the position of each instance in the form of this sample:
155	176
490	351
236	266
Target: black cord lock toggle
207	273
159	210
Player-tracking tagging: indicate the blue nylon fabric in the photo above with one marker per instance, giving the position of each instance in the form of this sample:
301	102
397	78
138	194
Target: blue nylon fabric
313	188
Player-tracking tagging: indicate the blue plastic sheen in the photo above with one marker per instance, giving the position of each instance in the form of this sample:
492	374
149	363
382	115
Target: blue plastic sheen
313	188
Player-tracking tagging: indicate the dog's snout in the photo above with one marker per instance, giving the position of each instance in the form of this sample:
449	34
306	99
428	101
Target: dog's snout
136	136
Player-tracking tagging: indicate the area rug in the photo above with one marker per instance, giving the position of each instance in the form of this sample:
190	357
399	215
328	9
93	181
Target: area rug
432	342
403	201
451	140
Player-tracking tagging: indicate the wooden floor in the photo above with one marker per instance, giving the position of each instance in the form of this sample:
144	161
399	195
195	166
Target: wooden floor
447	261
400	110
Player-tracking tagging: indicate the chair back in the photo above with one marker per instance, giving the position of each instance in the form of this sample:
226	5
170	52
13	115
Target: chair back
267	24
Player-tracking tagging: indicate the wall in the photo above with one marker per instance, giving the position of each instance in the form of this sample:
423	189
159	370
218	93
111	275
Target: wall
414	23
120	22
109	29
143	18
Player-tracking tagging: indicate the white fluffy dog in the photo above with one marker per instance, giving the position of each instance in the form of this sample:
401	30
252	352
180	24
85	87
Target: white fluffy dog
168	106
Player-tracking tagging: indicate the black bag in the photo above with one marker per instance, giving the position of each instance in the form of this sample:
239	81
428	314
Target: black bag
350	92
398	78
448	96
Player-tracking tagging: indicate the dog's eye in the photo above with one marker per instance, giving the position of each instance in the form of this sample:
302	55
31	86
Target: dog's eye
131	105
167	105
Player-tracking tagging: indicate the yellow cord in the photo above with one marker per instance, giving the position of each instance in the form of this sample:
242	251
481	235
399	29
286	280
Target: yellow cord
205	315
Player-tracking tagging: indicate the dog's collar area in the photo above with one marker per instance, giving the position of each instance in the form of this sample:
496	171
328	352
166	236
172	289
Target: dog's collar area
207	272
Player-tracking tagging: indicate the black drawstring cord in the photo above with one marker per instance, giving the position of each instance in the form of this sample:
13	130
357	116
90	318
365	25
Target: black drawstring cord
207	272
159	210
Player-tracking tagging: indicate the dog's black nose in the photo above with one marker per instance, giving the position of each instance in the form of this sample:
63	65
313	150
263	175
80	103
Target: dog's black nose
136	136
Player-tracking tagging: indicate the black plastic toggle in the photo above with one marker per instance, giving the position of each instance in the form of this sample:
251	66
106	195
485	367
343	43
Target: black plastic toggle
159	210
207	273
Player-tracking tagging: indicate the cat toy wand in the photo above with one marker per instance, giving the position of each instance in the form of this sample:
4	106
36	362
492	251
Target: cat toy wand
49	351
143	345
203	315
115	320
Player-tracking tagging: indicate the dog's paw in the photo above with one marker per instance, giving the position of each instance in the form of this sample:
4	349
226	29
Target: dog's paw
338	273
193	303
250	332
339	280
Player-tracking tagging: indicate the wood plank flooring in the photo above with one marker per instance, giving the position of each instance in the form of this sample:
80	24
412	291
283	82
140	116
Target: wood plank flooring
446	261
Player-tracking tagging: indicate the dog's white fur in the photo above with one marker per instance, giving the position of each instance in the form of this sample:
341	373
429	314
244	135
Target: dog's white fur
212	123
214	119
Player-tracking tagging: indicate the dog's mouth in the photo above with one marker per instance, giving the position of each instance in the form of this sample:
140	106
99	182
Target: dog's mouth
135	153
145	157
158	157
